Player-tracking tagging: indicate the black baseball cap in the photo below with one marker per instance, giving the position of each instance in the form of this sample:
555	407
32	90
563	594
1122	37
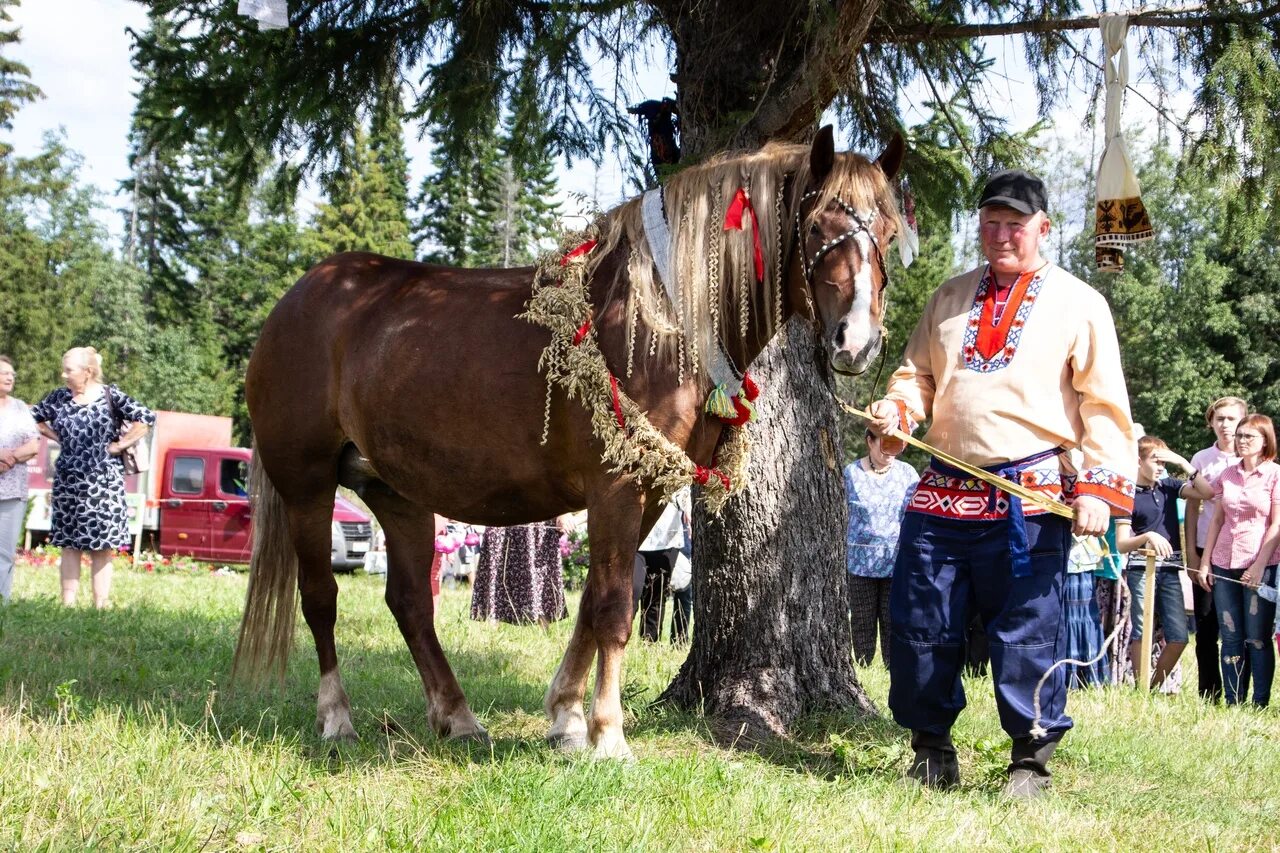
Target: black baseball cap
1014	188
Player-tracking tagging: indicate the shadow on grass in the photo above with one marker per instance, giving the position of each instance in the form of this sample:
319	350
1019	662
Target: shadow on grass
150	661
827	745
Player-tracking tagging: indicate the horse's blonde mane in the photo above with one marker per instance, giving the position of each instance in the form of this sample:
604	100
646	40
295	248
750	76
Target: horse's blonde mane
714	268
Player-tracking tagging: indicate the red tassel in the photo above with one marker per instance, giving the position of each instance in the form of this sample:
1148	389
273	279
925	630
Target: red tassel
582	332
702	475
578	252
743	414
734	219
617	403
749	387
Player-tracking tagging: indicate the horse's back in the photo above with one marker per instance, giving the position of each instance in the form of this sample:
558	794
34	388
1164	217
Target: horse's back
425	368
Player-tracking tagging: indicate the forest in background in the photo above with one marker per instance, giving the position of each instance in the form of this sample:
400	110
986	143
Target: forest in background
175	307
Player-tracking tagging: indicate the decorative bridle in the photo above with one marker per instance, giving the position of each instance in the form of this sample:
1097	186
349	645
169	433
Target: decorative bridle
810	265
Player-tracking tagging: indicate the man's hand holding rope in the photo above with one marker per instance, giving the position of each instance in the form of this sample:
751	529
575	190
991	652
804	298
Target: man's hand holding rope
1090	516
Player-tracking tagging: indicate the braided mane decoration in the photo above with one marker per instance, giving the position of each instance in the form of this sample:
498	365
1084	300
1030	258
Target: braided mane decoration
573	360
721	275
715	268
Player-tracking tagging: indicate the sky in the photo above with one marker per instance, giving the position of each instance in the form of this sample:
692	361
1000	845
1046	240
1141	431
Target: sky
78	52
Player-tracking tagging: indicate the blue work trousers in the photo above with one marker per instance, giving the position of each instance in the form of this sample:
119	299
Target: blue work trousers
946	567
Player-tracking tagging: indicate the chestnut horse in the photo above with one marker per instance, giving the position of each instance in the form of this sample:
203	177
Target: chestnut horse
419	387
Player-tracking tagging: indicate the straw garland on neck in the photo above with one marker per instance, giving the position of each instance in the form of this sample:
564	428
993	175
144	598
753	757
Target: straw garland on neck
632	445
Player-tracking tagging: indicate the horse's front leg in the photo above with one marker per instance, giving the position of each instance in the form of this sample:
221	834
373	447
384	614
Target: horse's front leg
563	702
615	526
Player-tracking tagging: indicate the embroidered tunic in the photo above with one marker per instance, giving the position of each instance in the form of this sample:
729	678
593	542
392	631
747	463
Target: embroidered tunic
1001	386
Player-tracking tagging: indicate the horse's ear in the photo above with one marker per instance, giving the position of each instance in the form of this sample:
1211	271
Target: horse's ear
890	159
822	156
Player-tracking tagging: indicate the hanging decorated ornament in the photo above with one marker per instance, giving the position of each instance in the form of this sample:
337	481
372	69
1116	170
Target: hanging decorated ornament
1121	216
446	543
270	14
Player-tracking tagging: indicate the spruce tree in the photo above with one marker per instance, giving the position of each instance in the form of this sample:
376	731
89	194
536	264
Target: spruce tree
365	209
447	209
388	181
157	239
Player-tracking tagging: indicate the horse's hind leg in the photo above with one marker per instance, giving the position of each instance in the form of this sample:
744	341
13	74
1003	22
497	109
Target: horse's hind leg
410	550
309	528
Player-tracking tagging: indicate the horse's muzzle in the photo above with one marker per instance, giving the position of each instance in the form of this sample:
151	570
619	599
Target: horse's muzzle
843	361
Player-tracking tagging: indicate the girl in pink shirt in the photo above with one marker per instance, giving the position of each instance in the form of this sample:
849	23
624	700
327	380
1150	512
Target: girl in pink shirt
1240	547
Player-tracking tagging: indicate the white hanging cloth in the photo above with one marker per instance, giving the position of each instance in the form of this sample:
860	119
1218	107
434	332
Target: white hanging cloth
1121	217
270	14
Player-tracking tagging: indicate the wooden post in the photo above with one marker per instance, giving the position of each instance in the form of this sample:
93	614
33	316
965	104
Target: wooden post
1143	665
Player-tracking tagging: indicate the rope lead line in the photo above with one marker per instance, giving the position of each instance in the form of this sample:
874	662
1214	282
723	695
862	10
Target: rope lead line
1028	496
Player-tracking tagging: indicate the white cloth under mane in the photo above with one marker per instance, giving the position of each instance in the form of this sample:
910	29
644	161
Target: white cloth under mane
658	233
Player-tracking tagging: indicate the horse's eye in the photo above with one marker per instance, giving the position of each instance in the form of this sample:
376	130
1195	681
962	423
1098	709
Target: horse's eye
813	230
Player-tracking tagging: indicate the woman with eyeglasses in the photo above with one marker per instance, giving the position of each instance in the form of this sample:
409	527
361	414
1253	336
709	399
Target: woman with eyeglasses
1239	555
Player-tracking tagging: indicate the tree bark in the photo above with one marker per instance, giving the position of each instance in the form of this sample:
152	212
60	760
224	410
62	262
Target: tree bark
751	71
771	637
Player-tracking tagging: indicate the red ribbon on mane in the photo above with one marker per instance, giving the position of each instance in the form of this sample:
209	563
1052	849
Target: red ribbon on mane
734	218
617	403
578	252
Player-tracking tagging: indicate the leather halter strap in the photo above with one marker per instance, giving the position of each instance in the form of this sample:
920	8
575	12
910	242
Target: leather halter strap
860	225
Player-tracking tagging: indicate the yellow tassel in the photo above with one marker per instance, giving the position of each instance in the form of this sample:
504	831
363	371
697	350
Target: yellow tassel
719	404
749	406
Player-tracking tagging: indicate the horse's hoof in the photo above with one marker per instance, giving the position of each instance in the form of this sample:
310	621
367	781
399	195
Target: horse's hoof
337	730
569	742
477	738
614	749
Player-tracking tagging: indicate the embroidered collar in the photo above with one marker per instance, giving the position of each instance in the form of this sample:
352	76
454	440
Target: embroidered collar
989	345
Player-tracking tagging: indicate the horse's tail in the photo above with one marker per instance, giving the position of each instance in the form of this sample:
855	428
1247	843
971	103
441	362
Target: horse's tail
266	628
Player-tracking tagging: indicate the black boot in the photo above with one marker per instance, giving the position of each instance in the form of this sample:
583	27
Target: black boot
1029	769
935	762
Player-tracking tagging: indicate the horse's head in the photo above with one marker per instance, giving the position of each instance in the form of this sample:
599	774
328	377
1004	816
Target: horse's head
845	218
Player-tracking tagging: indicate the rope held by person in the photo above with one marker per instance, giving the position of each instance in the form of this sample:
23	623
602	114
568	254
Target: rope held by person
1027	495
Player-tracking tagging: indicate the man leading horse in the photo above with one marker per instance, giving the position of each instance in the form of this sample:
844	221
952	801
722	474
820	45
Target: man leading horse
1011	363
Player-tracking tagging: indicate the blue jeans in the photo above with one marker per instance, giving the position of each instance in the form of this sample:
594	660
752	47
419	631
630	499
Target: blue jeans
1245	623
1169	608
947	568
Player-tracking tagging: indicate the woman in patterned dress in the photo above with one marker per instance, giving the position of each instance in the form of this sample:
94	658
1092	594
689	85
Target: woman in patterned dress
89	509
877	488
520	578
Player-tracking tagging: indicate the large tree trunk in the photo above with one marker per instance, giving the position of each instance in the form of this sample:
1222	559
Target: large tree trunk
751	71
771	635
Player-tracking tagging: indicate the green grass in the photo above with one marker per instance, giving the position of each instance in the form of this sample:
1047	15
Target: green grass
118	730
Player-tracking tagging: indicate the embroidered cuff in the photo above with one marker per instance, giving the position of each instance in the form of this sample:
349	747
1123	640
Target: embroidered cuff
905	423
1110	486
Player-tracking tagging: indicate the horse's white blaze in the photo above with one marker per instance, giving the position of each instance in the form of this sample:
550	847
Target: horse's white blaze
333	709
858	327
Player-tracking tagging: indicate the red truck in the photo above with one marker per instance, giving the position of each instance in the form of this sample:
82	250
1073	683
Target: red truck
192	502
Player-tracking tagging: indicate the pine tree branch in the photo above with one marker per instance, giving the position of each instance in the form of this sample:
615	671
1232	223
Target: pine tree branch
1182	16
